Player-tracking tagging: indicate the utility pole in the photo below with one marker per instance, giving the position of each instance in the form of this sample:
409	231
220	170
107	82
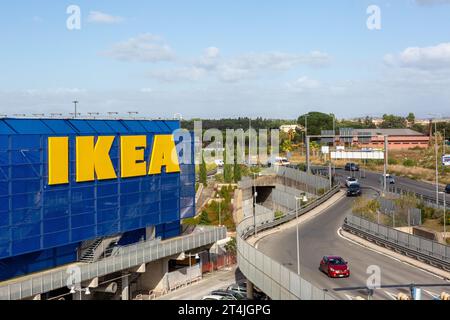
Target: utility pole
386	144
308	165
75	104
298	238
254	204
437	167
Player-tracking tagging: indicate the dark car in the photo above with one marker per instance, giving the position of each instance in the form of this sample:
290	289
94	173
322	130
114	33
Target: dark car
334	267
447	188
351	167
231	294
354	190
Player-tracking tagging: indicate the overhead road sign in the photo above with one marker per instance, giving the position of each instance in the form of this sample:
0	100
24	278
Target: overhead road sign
357	155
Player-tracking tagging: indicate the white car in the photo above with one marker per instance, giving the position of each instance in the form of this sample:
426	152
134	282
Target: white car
350	180
216	297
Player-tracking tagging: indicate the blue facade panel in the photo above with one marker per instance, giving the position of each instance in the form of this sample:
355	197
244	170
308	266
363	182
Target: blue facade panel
36	219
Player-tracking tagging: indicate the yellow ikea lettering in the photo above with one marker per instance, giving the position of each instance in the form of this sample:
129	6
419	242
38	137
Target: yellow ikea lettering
132	162
164	154
58	160
93	159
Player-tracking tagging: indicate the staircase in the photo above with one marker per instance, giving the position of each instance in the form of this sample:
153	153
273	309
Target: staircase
99	248
89	252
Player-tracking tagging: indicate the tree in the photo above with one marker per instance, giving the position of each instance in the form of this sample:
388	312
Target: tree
317	121
237	171
391	121
203	173
204	218
227	169
411	118
231	246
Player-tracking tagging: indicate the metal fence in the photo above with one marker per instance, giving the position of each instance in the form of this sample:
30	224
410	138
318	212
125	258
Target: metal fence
390	208
302	177
131	256
432	251
274	279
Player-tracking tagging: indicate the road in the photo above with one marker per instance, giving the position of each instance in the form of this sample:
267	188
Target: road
373	179
215	281
319	237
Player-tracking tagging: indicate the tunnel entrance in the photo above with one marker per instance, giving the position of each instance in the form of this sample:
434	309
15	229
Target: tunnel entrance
264	194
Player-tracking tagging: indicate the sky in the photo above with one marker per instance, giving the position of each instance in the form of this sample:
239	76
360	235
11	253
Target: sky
214	59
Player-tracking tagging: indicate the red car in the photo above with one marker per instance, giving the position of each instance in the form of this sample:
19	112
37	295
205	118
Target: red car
334	267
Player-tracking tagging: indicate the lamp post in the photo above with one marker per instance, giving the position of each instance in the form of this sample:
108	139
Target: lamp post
303	199
445	215
255	194
219	202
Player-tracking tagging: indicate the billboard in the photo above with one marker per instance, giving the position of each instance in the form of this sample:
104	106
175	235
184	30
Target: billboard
63	182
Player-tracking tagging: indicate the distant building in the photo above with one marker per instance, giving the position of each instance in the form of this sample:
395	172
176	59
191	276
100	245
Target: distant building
397	138
288	127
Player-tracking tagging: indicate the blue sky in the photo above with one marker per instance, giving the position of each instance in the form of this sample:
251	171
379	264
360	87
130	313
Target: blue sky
226	58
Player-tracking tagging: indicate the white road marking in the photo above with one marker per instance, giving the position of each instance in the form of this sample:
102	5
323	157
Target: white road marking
389	256
431	293
390	295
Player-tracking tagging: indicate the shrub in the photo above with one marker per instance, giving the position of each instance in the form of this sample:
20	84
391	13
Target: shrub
392	161
409	163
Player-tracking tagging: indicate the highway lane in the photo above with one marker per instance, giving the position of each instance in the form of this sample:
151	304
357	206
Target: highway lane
319	237
373	179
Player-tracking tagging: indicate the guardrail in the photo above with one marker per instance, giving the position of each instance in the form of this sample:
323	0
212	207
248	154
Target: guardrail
423	249
277	281
131	256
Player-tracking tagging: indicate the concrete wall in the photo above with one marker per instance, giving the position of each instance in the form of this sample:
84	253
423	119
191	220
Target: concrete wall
153	278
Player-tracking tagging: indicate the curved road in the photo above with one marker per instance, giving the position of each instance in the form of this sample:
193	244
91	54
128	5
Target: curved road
319	237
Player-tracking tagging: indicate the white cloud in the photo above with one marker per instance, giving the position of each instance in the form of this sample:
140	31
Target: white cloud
178	74
143	48
146	90
426	58
101	17
212	52
304	84
432	2
55	91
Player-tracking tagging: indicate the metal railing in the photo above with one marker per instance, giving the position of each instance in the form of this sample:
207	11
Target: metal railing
274	279
427	200
129	257
421	248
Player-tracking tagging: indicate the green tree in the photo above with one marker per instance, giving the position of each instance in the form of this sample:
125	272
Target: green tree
204	218
237	171
391	121
411	118
316	122
227	169
203	173
231	246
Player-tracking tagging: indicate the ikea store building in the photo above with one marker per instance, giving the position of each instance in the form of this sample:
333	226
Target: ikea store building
66	182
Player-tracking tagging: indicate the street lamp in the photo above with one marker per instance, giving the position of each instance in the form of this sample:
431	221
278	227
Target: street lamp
86	291
255	194
190	265
445	215
303	199
219	202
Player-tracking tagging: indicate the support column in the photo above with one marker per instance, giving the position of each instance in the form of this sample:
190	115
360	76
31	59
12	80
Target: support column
125	288
250	290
